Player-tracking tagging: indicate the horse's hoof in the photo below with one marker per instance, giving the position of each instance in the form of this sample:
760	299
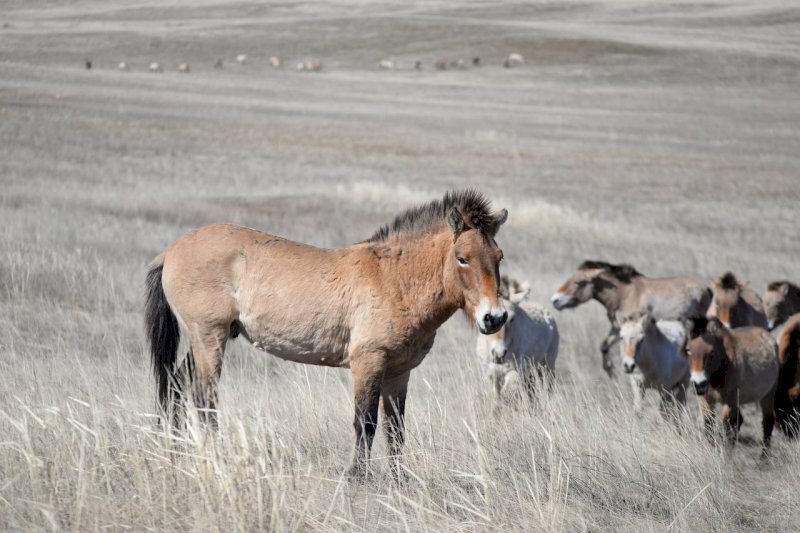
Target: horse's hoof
357	472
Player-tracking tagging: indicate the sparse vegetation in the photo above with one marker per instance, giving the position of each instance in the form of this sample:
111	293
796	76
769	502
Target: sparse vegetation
653	133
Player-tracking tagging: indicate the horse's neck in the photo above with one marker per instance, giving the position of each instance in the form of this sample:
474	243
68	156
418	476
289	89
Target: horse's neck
612	294
420	278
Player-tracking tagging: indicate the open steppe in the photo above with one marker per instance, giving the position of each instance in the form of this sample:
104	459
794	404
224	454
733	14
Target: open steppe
664	134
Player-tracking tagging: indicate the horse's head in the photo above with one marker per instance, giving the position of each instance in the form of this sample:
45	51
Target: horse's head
578	288
511	294
705	350
473	264
727	291
632	332
777	305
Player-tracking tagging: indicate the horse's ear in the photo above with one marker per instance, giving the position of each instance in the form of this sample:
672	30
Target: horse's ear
785	290
715	327
500	218
517	297
455	221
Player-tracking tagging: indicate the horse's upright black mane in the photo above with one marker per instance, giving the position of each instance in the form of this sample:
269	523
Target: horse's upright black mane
728	281
473	206
623	272
775	285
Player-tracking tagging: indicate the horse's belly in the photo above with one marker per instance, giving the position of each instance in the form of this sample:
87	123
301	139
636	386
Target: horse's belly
309	344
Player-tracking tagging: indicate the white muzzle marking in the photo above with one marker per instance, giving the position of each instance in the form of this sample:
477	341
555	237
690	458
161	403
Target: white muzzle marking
698	377
485	309
559	299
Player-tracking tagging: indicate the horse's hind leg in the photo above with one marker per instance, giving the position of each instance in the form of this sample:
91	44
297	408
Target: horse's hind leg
207	350
767	418
393	403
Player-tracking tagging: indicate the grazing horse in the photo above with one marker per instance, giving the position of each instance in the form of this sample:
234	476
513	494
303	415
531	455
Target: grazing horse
787	397
276	62
373	307
530	336
184	68
735	304
155	67
622	289
733	367
654	347
781	300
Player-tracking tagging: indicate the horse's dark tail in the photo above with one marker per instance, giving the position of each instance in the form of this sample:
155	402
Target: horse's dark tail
164	335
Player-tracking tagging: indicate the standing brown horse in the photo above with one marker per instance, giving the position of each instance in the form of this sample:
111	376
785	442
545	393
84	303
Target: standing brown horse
733	367
374	306
735	304
625	292
781	300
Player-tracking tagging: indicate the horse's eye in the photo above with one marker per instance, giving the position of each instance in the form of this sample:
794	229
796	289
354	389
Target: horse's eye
461	261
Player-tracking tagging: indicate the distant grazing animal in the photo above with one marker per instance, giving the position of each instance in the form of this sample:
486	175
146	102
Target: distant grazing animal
440	64
459	64
781	300
276	62
526	347
155	67
787	397
373	307
654	348
386	64
513	60
476	61
219	63
123	66
418	65
733	367
88	65
241	59
184	67
622	289
310	65
736	304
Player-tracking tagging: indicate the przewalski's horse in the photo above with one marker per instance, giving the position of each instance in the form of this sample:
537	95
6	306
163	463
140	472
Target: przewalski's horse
787	397
374	306
733	367
781	300
622	290
526	346
735	304
654	347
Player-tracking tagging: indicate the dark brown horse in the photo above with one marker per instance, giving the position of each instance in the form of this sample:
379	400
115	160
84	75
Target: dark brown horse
733	367
787	397
373	307
781	300
735	304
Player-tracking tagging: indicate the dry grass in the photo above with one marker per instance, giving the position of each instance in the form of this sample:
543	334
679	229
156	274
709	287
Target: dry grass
661	134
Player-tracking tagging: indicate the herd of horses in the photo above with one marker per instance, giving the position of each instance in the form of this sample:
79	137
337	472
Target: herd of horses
375	307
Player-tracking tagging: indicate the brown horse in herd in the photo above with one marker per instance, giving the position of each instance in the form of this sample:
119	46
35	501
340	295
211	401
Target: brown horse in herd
373	307
781	300
624	292
733	367
735	304
787	397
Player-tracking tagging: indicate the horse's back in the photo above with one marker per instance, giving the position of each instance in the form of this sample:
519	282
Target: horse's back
758	359
674	297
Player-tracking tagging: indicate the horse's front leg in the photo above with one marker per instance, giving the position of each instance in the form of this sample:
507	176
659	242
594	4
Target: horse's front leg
393	402
605	348
367	369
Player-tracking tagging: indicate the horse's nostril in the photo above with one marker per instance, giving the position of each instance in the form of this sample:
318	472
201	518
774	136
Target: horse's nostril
504	318
487	319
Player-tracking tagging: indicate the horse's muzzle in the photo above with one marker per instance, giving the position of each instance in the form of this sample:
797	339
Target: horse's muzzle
491	323
701	387
628	367
499	356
